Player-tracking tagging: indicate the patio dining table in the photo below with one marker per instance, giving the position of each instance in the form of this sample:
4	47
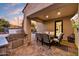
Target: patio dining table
51	34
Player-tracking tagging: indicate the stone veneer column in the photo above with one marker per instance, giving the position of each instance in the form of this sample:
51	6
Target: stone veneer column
27	29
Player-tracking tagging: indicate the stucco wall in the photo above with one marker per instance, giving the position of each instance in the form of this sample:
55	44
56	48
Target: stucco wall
27	28
34	7
40	27
50	26
67	26
24	24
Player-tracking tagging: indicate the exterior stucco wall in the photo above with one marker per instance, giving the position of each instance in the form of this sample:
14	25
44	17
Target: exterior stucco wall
40	27
34	7
27	28
50	26
67	27
24	24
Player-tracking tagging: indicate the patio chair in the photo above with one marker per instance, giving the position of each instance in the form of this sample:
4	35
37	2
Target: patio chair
71	38
58	39
39	37
47	40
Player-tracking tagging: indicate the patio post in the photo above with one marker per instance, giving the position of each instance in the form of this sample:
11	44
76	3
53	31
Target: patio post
27	29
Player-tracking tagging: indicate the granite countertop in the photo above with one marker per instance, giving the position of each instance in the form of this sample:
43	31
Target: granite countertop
3	41
4	35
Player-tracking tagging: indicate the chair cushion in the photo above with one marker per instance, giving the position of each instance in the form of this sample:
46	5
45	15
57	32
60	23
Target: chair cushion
46	38
60	36
56	40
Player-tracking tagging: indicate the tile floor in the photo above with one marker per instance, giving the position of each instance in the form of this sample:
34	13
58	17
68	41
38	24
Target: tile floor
36	49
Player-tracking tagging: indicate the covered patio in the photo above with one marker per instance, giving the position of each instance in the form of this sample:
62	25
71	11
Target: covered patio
48	30
49	18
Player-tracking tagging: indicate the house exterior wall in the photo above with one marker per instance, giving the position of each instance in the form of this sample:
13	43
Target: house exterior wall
27	28
67	26
40	27
24	24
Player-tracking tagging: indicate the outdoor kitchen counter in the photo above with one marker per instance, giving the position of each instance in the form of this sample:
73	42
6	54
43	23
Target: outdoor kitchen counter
4	35
3	46
3	41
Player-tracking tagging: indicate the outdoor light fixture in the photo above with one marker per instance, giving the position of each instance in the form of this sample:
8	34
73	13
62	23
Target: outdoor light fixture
47	16
58	13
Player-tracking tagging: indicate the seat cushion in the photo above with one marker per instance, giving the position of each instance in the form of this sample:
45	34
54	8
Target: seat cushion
46	41
56	40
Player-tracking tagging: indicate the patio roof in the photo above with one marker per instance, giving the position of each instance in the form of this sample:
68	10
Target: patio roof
52	11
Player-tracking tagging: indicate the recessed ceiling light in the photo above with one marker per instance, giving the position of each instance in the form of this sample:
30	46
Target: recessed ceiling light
58	13
47	16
